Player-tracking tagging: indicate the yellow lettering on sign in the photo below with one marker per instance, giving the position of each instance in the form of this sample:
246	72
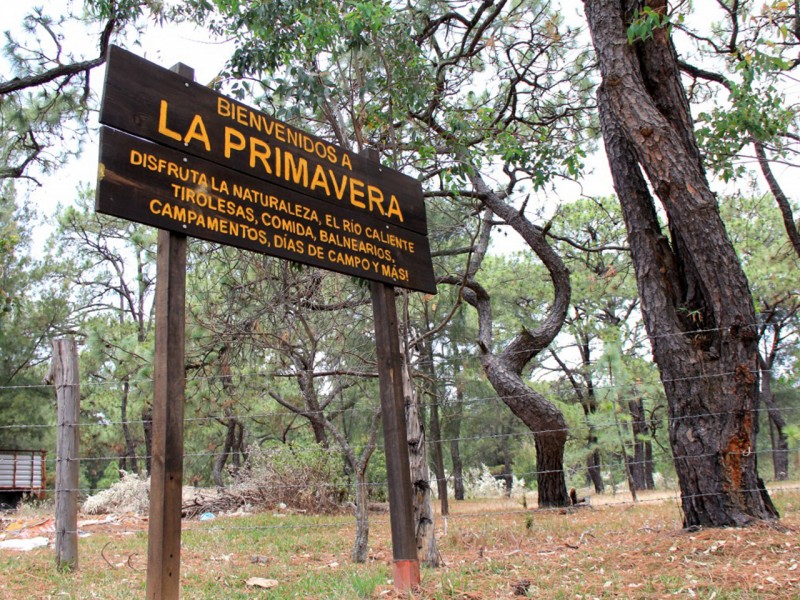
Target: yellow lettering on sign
357	191
233	141
261	151
162	123
319	180
394	208
197	131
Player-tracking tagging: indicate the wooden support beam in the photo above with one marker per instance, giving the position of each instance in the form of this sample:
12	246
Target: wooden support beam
390	366
166	476
169	385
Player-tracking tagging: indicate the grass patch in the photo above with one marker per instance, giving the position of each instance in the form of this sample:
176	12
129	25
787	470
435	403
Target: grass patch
490	550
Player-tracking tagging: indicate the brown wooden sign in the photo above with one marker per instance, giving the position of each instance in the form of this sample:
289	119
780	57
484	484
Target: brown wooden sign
189	161
155	185
157	104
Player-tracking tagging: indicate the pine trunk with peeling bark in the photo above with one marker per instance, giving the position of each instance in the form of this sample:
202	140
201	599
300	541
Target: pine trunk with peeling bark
696	302
427	553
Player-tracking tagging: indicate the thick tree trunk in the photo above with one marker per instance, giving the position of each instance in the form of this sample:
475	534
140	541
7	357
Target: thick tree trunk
551	485
696	302
545	421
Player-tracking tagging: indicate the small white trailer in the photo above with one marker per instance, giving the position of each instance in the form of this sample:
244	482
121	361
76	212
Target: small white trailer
22	472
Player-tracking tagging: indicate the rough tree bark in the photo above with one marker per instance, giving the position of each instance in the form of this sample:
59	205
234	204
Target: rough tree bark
427	553
434	393
696	302
504	369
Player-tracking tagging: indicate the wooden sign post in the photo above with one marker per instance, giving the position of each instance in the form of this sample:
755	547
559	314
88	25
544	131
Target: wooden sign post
398	471
406	572
190	161
166	472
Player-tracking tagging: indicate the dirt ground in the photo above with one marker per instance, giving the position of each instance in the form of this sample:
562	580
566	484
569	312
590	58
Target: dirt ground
613	548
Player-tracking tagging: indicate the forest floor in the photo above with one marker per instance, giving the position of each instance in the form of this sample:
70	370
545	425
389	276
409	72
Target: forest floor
497	548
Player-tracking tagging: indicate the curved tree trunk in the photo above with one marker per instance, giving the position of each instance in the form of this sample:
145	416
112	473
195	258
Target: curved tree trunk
544	419
696	302
504	370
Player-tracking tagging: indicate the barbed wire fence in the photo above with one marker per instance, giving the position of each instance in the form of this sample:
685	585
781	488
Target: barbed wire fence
614	470
614	467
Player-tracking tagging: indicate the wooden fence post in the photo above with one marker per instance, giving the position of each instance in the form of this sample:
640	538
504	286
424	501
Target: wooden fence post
65	376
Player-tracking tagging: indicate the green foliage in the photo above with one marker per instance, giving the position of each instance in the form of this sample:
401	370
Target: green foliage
34	309
646	21
755	227
753	111
752	52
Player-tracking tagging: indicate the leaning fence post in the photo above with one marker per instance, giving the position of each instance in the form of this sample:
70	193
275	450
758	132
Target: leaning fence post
65	377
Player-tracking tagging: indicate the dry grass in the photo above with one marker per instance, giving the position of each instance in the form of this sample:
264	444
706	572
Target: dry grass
491	549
